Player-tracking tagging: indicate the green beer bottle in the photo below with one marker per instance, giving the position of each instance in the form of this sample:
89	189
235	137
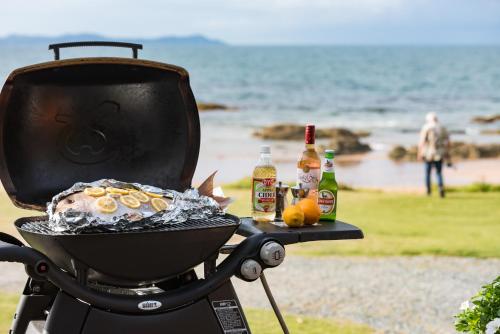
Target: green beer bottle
327	190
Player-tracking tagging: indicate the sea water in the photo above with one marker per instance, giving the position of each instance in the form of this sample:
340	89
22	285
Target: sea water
386	90
388	87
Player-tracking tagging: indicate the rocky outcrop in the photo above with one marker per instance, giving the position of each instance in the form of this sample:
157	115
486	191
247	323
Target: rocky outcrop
401	153
490	132
214	107
486	119
346	145
458	151
467	151
342	140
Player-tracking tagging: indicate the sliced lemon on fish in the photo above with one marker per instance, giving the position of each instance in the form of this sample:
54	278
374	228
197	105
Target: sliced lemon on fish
159	204
95	191
106	204
154	195
113	190
142	197
130	201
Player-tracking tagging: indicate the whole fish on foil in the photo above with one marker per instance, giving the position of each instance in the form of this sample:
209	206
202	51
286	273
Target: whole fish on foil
112	205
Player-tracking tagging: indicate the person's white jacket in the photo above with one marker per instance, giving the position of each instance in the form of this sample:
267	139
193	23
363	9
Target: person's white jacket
434	140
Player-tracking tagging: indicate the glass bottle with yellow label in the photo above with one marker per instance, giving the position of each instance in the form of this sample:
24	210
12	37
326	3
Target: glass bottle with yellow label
328	187
264	187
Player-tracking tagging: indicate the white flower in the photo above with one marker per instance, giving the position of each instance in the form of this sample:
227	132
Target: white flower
466	305
493	326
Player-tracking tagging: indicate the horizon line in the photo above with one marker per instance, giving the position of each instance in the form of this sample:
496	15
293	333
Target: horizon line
214	40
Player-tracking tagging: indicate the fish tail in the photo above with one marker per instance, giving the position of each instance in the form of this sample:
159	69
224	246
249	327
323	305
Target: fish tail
207	187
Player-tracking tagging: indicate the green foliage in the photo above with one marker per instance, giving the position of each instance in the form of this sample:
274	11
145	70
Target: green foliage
485	307
479	187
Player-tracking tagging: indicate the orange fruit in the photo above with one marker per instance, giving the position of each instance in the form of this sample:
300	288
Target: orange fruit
311	210
293	216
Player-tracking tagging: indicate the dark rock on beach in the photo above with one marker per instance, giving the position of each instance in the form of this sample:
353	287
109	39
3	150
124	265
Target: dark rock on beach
401	153
286	132
342	140
458	151
490	132
213	107
346	145
486	119
467	151
362	133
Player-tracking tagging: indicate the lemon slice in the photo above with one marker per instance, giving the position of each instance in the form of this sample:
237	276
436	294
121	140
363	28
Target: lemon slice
106	204
95	191
159	204
130	201
154	195
113	190
142	197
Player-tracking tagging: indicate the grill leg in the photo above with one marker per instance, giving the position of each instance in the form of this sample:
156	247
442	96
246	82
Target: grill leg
273	303
34	302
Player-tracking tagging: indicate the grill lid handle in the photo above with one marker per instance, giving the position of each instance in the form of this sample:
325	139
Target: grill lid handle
56	47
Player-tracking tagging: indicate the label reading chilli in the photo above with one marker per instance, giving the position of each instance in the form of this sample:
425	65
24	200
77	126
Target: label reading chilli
326	201
264	194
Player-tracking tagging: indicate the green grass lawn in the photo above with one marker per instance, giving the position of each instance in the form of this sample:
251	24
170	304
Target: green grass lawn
261	321
7	309
265	322
9	213
463	224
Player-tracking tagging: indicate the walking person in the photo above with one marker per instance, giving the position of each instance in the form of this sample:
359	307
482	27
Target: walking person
433	149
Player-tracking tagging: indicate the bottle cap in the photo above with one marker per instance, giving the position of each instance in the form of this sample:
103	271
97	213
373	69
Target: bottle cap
309	134
329	154
266	149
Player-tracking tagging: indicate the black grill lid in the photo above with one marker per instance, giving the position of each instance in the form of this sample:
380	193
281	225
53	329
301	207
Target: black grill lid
86	119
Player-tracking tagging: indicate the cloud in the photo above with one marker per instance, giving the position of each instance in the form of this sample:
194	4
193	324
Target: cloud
262	21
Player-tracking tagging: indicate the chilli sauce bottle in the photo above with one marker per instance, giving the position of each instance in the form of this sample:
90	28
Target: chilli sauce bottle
308	166
327	195
264	187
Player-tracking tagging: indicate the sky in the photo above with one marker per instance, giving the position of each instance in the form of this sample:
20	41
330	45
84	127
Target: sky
263	22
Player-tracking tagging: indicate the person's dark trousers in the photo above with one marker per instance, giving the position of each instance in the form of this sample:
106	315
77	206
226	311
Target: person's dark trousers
428	169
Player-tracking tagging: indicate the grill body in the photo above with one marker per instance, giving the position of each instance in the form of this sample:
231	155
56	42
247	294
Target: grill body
134	258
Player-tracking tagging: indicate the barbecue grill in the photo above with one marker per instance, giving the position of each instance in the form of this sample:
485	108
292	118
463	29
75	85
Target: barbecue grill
84	119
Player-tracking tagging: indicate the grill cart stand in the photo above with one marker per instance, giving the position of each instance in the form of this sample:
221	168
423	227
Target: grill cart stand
58	303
